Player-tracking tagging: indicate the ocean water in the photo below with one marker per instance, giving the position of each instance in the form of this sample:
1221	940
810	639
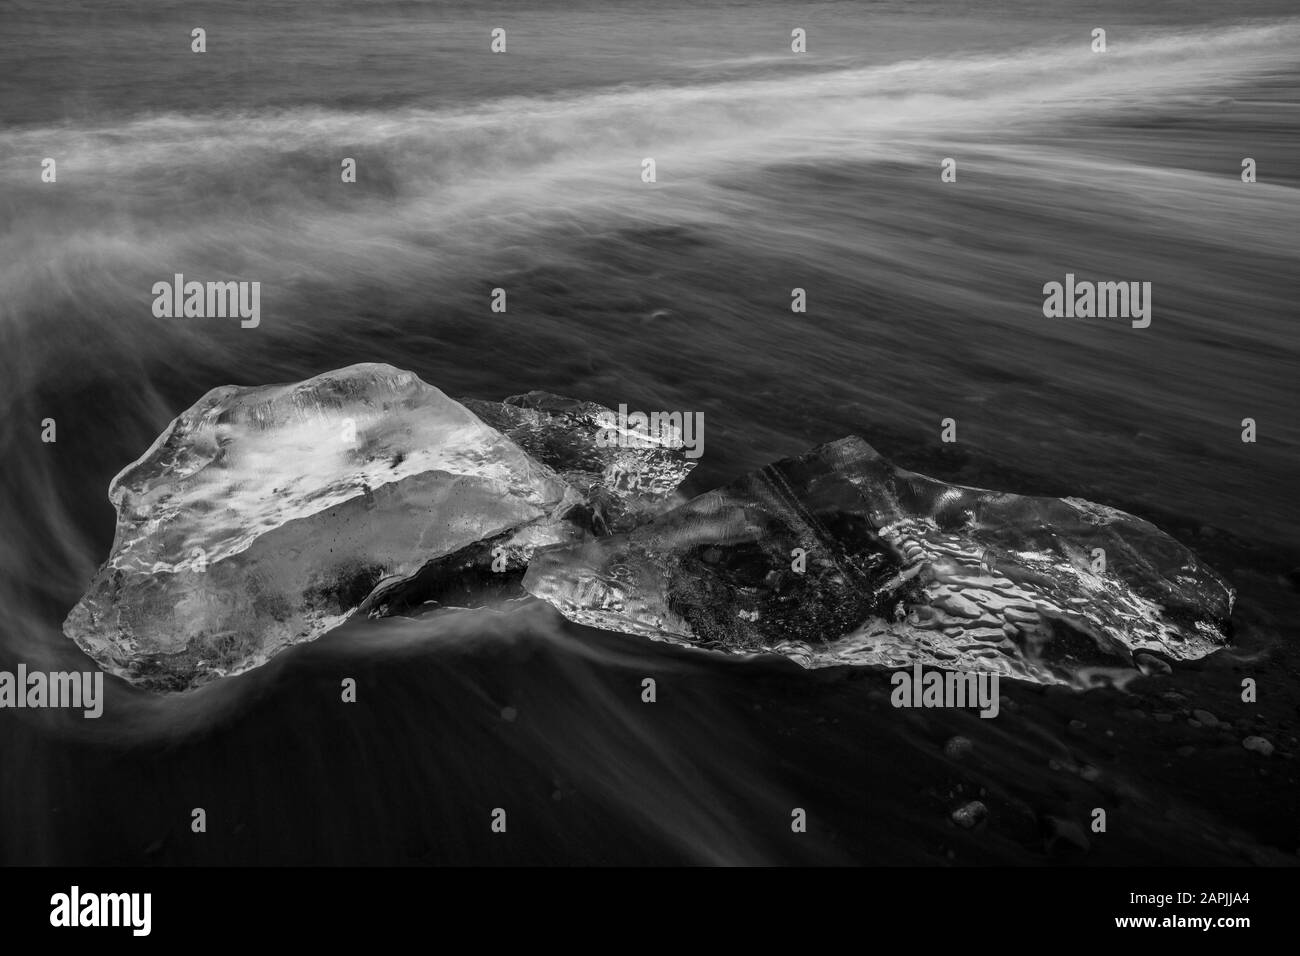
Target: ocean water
774	171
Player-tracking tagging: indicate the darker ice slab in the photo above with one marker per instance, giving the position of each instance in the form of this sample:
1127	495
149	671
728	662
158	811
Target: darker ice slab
839	557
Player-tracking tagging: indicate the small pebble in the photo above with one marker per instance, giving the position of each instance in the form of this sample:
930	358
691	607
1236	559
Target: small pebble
509	714
1205	717
970	814
1185	751
1258	744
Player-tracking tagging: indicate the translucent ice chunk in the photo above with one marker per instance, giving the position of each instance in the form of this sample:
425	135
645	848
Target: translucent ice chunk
624	483
838	557
263	516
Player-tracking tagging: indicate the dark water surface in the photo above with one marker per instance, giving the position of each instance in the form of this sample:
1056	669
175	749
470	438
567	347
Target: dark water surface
774	171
